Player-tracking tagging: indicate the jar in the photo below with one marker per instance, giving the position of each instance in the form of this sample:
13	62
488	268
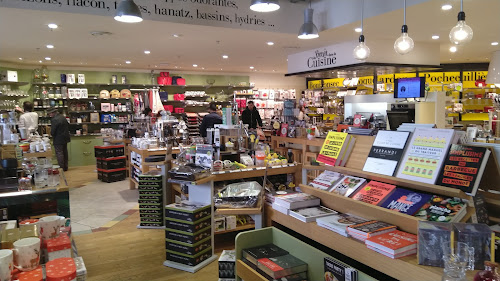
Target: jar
51	93
45	74
45	93
41	177
489	273
24	183
36	92
64	92
58	93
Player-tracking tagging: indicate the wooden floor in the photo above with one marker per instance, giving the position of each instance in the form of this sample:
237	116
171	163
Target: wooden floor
80	176
126	253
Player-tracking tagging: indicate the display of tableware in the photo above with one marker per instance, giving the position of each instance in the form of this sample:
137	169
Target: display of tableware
24	183
115	94
126	93
27	253
458	257
6	264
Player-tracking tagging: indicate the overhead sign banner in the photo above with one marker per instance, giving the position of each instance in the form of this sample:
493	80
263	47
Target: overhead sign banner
220	13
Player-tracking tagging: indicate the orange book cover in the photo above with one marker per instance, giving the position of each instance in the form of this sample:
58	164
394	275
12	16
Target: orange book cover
374	192
394	240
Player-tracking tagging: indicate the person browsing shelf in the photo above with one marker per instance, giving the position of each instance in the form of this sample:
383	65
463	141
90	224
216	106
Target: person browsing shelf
210	119
29	119
59	129
251	116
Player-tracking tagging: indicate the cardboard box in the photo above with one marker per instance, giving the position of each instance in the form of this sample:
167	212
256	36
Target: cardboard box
9	236
150	193
188	211
190	227
230	222
30	230
227	262
188	249
186	237
219	224
188	259
151	224
10	224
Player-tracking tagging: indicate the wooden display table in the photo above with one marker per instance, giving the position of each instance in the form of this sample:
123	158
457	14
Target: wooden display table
60	195
142	166
45	154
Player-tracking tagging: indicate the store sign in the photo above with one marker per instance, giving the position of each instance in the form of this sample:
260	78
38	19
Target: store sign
221	13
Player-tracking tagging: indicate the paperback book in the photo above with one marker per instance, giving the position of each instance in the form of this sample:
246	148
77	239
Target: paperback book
369	229
394	244
332	148
270	196
281	266
386	152
406	201
310	214
374	192
265	251
339	223
337	271
464	167
443	209
347	185
326	180
297	200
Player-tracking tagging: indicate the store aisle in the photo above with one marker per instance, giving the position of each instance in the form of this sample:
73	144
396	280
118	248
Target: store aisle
99	204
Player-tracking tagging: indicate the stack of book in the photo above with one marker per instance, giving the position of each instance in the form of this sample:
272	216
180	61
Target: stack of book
285	203
310	214
270	196
348	185
274	263
374	192
326	180
365	230
394	244
339	223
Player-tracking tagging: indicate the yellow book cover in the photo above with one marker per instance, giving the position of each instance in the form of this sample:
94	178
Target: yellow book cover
332	148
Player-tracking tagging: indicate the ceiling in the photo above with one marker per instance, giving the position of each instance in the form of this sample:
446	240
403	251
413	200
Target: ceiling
204	46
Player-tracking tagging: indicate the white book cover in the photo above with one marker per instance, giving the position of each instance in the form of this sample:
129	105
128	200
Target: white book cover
348	185
425	154
386	152
339	222
280	208
297	200
326	180
311	213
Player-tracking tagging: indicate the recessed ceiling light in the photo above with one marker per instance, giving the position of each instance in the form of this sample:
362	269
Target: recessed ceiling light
147	52
20	58
270	43
251	67
435	37
128	62
176	35
50	46
195	65
453	49
274	70
221	69
47	58
40	61
176	66
494	43
52	25
358	29
446	7
225	56
202	68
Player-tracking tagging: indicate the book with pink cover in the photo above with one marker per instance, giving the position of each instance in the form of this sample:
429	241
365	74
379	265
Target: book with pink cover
374	192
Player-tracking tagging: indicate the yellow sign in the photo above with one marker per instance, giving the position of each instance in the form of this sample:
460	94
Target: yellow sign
470	77
405	75
452	77
333	83
316	84
385	79
366	80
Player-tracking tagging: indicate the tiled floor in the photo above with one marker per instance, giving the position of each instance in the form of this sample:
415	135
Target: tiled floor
100	205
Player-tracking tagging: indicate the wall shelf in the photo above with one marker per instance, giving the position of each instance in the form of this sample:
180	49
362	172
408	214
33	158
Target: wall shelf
13	83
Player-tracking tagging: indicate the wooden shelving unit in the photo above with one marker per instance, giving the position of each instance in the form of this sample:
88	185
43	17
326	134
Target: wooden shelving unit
238	228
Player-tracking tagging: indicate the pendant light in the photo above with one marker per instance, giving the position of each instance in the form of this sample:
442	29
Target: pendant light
264	5
308	30
128	11
361	52
404	44
461	33
494	70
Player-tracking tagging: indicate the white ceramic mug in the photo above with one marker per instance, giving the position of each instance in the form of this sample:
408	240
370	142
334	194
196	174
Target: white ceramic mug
6	265
27	253
50	226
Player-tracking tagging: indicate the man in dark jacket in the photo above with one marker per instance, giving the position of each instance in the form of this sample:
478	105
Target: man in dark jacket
210	120
59	129
251	116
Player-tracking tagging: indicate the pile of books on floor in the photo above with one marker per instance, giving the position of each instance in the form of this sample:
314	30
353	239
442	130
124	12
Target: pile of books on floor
274	263
188	232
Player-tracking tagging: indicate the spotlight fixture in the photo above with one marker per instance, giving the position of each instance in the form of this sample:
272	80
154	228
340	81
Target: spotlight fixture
264	5
128	62
358	29
435	37
128	12
404	44
308	30
48	58
20	58
50	46
461	33
453	49
361	52
52	25
147	52
446	7
195	65
225	56
270	43
494	43
251	67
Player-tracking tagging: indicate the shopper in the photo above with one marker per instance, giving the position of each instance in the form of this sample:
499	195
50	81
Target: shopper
210	119
251	116
59	129
28	121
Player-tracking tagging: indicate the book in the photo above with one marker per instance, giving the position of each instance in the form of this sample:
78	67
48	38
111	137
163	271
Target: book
280	208
481	213
326	180
431	237
310	214
302	276
356	122
339	223
270	196
348	185
281	266
463	168
374	192
396	256
394	242
347	152
406	201
337	271
386	152
264	251
297	200
425	154
332	148
365	230
443	209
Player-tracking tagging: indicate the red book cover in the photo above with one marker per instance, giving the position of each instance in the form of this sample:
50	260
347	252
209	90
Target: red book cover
374	192
357	120
395	241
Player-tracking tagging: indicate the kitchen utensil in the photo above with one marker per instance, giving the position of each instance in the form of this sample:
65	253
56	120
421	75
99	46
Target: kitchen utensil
27	253
6	264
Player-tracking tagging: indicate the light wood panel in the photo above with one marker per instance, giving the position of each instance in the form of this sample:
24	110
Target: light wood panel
245	272
360	152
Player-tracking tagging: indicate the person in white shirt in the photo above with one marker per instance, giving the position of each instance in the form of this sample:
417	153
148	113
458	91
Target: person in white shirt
29	119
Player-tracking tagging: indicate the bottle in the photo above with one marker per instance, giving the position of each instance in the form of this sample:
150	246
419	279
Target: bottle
489	273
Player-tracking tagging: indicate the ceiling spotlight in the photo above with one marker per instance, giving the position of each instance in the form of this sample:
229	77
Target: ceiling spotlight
251	67
48	58
435	37
128	62
50	46
404	44
494	43
270	43
361	52
358	29
446	7
202	68
176	35
461	33
195	65
308	30
40	61
52	25
225	56
264	5
20	58
147	52
453	49
128	12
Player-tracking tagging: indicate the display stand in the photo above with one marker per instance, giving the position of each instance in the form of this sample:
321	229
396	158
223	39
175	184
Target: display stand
201	191
165	191
141	165
275	140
